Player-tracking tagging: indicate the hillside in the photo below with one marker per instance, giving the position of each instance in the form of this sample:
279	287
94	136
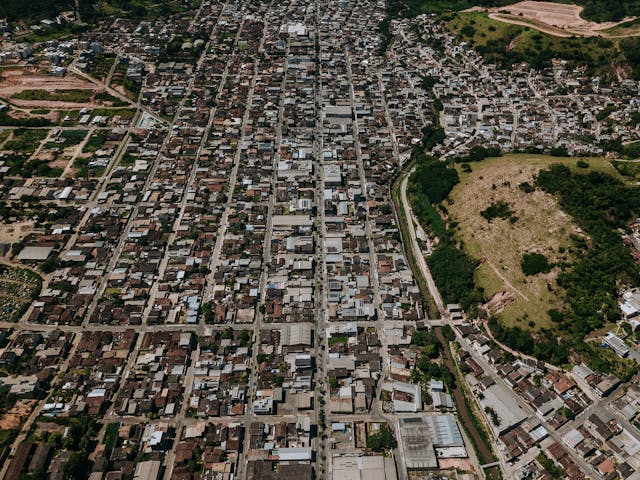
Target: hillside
595	10
536	241
90	10
506	44
501	222
15	10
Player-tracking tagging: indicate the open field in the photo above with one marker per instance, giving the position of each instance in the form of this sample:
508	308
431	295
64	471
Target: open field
559	19
539	227
12	419
16	231
15	80
72	96
25	141
31	90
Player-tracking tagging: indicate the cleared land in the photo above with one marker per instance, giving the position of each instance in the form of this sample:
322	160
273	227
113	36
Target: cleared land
536	225
559	19
27	89
16	231
12	419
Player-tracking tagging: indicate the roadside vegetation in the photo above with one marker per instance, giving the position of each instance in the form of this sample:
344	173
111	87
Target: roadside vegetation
7	120
538	248
452	269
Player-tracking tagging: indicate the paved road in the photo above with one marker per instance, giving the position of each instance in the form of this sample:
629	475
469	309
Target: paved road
376	407
418	254
526	408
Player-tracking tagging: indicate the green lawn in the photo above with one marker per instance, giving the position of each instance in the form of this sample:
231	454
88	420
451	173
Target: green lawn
72	137
4	134
629	170
127	113
335	339
102	65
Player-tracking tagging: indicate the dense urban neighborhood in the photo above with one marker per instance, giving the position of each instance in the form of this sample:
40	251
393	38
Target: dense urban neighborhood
233	245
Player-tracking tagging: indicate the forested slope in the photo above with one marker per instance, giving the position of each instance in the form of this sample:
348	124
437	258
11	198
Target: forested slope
89	10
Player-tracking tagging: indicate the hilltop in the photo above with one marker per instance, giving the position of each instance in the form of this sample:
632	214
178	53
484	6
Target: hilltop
501	221
594	10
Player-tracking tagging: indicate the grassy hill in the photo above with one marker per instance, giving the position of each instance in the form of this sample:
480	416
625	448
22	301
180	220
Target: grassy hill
505	44
596	10
536	241
500	222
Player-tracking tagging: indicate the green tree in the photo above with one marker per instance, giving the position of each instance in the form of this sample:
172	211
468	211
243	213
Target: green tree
382	441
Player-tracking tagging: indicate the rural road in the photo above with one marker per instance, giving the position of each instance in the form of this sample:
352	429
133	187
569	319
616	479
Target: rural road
418	254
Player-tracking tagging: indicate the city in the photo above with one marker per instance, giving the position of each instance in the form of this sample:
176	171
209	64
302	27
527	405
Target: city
212	267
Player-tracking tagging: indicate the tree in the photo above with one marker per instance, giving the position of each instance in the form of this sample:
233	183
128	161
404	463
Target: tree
50	264
207	311
382	440
535	263
448	333
495	419
434	178
245	338
227	334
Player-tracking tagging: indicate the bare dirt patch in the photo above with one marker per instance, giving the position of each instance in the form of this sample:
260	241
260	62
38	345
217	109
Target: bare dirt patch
60	162
555	19
15	81
544	28
463	464
25	114
49	427
12	419
15	232
499	302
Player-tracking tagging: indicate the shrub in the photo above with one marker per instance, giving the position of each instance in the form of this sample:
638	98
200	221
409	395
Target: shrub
535	263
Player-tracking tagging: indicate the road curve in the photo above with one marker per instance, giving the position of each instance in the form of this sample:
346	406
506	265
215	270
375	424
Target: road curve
416	251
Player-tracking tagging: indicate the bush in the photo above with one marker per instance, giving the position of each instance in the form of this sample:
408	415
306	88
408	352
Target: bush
526	187
468	31
535	263
582	164
497	210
